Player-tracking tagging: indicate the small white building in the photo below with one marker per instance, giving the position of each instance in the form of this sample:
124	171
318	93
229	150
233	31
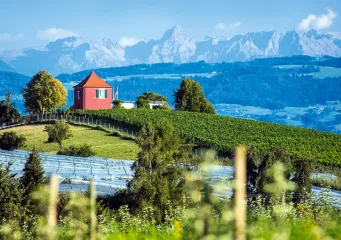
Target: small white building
152	104
132	104
129	105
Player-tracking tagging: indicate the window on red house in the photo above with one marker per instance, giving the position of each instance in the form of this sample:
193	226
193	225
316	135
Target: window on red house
101	93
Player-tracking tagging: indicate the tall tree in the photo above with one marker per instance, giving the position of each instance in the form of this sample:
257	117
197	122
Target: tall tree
44	93
33	176
10	196
8	112
190	97
157	179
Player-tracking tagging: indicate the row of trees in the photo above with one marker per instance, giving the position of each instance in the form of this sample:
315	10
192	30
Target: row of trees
188	97
44	93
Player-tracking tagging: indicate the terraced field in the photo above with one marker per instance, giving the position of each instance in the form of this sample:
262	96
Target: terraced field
225	133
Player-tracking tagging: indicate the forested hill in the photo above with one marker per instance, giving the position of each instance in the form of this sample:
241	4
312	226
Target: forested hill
269	83
235	68
12	82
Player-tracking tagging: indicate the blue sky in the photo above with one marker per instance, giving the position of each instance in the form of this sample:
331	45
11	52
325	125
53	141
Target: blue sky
33	23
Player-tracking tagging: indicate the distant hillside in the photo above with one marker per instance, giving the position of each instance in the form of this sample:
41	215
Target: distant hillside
12	82
269	83
74	54
261	82
5	67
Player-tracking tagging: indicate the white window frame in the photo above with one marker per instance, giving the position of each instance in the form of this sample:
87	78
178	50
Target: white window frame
101	93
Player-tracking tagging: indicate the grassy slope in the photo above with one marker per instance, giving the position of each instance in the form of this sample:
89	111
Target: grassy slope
224	133
103	144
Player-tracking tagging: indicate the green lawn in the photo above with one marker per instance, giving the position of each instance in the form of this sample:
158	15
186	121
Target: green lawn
103	144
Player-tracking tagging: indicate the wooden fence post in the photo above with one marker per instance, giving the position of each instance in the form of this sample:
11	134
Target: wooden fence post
240	192
52	209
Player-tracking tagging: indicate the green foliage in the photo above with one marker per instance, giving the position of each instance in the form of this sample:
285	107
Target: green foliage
66	181
10	196
164	106
258	172
144	100
326	182
79	151
190	97
69	110
33	177
76	217
225	133
118	104
58	132
106	144
151	96
142	103
44	93
302	171
157	180
8	112
10	141
206	217
276	156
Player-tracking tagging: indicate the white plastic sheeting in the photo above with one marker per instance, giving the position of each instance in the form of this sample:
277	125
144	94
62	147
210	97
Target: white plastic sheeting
112	174
109	174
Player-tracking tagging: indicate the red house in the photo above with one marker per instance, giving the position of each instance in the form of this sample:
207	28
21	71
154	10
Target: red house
92	93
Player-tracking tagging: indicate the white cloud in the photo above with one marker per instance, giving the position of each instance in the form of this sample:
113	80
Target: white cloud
317	22
223	26
129	41
6	37
52	34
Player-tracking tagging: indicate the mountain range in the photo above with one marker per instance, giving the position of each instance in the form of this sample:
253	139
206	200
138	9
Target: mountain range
74	54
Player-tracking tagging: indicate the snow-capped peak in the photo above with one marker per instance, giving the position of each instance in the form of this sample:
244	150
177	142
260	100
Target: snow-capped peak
75	53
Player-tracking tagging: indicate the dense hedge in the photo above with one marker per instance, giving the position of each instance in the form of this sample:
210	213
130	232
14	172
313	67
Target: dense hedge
224	133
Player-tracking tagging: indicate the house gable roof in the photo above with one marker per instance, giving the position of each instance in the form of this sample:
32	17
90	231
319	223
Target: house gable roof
92	81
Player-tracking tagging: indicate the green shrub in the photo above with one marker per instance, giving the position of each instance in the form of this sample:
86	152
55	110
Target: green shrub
79	151
58	132
118	104
66	181
143	103
11	141
162	107
326	182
